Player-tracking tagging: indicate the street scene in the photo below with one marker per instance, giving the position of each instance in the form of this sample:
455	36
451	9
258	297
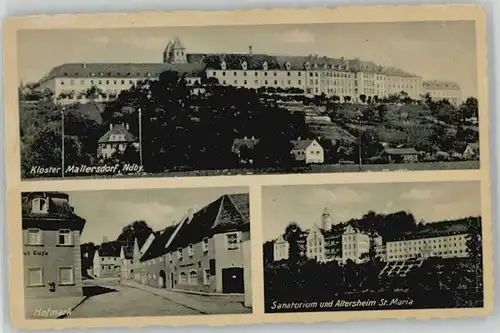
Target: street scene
269	103
384	246
110	253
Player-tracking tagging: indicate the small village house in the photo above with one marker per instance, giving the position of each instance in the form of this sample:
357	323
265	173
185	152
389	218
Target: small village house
51	245
307	151
399	155
107	260
117	139
126	262
471	151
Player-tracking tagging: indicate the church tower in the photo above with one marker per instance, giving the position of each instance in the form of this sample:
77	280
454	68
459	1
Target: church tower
326	220
175	52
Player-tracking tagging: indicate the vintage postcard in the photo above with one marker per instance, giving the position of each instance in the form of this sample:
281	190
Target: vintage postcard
218	168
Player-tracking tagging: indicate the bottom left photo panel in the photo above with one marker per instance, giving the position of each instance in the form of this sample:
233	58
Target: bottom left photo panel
146	252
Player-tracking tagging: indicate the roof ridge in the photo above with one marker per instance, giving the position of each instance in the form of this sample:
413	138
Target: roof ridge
234	205
219	210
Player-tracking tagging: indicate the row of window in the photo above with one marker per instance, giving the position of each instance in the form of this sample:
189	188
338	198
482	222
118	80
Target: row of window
192	277
35	276
35	237
232	244
73	82
419	255
428	240
418	248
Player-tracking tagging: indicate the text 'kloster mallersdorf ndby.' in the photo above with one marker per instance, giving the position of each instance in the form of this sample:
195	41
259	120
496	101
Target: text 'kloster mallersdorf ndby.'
86	169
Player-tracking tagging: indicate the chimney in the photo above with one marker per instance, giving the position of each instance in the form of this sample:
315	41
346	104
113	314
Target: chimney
110	126
250	49
84	65
127	126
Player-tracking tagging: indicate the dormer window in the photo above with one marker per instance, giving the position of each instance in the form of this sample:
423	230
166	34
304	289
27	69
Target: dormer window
190	250
223	65
307	65
288	66
40	206
244	66
101	73
92	74
264	66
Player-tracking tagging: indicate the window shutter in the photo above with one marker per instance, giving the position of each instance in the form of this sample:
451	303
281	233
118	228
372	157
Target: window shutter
25	237
41	236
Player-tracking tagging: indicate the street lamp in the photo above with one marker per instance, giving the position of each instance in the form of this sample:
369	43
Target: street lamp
140	136
62	141
359	140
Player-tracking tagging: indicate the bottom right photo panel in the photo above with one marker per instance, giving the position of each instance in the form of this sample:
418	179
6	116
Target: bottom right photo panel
375	246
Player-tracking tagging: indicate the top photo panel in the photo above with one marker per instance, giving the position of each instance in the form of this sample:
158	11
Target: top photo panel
248	100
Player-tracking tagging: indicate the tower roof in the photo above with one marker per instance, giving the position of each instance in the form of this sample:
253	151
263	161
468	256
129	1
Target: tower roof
326	212
177	44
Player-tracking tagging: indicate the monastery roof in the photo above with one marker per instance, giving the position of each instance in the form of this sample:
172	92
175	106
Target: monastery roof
230	212
440	85
117	130
120	70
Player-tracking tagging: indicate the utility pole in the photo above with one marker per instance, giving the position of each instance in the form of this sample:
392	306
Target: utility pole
62	141
140	136
359	141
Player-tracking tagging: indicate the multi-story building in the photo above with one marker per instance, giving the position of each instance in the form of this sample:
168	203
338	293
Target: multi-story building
440	90
449	241
311	74
344	242
51	245
204	251
107	260
331	242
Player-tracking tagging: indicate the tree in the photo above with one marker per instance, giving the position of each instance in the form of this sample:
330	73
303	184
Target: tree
362	97
139	230
292	236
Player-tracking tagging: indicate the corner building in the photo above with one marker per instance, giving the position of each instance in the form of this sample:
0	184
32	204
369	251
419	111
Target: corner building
51	245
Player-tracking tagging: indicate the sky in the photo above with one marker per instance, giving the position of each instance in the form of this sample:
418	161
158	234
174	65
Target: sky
107	212
304	204
433	50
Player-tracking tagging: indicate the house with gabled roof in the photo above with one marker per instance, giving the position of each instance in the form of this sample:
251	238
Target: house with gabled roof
117	139
471	151
307	151
206	253
107	261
